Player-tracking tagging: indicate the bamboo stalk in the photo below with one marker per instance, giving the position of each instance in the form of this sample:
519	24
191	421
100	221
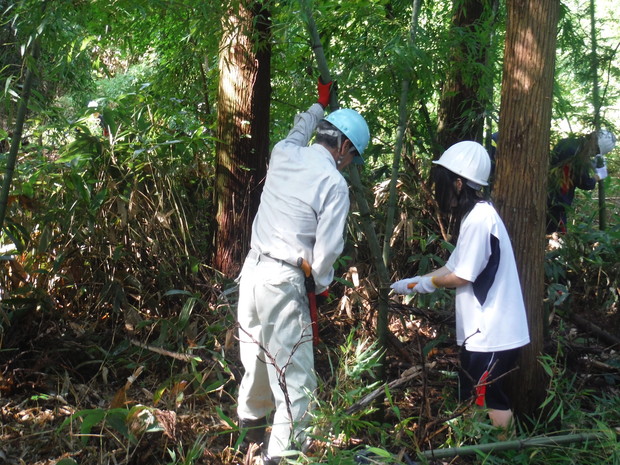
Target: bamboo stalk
400	135
516	444
365	217
596	103
317	49
17	131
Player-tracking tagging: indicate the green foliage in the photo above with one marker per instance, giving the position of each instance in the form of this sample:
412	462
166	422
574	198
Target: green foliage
105	226
584	271
427	259
194	453
66	461
574	66
109	210
568	408
368	70
63	63
358	358
131	423
353	378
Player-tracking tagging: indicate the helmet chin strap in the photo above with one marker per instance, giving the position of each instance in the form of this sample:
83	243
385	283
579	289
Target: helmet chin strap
473	185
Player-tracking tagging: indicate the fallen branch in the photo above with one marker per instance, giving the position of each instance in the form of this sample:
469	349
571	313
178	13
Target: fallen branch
592	328
167	353
407	376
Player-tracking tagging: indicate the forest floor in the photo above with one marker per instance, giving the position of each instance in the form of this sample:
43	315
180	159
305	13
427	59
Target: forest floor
60	378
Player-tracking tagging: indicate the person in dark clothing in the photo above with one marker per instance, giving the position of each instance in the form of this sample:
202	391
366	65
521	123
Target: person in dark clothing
575	164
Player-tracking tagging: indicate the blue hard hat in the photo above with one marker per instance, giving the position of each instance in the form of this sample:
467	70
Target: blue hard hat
353	126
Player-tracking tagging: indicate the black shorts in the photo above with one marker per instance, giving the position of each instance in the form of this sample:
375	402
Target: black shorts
480	377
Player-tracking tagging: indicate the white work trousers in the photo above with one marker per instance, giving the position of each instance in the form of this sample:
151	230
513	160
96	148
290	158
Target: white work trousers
273	315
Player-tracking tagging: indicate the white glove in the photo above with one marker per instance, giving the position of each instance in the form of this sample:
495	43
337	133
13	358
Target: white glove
601	172
599	163
424	285
419	284
402	286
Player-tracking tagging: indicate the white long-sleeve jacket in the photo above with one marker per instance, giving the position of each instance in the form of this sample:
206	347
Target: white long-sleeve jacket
304	204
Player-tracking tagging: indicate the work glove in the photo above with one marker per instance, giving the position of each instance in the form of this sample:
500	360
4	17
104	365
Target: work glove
424	285
600	166
421	285
601	173
322	298
324	92
401	287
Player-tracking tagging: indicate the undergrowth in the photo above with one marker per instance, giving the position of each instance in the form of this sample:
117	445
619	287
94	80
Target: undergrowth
164	390
118	345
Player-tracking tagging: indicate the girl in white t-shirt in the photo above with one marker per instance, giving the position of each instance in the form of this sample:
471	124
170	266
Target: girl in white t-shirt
491	321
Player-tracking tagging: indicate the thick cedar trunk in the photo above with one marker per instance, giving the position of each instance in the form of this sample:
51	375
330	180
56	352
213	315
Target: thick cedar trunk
243	131
520	187
461	110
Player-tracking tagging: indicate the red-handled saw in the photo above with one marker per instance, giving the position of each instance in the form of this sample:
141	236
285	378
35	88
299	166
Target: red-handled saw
311	291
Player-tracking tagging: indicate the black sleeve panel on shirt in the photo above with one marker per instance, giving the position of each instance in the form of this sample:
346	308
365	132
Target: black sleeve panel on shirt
485	279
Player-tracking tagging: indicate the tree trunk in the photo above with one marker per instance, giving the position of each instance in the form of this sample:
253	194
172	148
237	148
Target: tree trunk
243	130
521	182
461	110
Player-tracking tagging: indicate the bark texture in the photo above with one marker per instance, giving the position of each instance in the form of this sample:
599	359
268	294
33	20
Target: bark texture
243	131
461	111
522	164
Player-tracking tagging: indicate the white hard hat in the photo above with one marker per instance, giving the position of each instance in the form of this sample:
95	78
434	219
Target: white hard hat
353	126
468	159
606	141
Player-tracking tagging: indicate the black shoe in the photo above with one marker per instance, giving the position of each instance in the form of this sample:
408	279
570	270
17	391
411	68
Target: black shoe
254	431
271	460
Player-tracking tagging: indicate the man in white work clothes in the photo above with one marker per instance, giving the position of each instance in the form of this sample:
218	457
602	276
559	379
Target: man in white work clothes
303	211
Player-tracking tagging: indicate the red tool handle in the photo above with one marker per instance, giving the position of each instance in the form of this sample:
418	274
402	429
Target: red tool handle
313	318
310	288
